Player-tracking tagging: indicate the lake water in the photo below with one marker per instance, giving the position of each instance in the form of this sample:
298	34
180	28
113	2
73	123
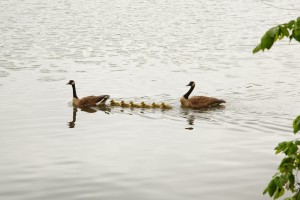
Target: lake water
143	51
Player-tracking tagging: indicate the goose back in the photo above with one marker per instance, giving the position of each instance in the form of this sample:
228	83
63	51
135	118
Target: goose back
202	101
90	100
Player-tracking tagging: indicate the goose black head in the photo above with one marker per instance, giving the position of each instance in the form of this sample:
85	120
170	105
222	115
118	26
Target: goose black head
192	84
71	82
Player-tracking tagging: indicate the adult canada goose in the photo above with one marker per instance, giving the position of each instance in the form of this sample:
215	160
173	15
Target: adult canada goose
198	101
86	101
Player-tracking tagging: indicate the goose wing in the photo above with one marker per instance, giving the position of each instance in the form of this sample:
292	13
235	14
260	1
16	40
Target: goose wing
92	100
202	101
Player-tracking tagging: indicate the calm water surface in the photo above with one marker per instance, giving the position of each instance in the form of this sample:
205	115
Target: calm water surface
142	51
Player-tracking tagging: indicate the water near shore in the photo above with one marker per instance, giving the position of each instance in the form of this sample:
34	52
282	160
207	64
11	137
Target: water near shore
142	51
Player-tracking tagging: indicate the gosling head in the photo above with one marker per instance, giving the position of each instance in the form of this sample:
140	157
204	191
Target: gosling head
192	84
71	82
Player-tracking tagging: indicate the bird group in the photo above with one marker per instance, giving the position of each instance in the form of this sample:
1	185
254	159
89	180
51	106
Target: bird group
192	102
140	105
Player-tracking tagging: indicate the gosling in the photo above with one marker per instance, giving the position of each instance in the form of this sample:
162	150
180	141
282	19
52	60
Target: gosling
134	105
165	106
155	105
143	105
124	105
114	103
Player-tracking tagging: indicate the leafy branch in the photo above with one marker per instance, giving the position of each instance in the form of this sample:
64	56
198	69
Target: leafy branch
286	177
290	30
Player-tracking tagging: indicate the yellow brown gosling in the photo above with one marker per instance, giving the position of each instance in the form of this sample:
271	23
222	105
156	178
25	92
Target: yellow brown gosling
143	105
86	101
113	103
165	106
155	105
198	101
124	105
134	105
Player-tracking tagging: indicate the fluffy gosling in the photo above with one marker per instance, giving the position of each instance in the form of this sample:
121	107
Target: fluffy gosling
165	106
114	103
143	105
134	105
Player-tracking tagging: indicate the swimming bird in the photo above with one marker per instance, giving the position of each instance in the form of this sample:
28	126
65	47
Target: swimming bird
124	105
198	101
134	105
114	103
155	105
143	105
165	106
86	101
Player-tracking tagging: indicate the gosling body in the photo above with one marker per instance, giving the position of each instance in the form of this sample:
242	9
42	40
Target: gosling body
199	101
114	103
144	105
134	105
155	105
86	101
124	105
165	106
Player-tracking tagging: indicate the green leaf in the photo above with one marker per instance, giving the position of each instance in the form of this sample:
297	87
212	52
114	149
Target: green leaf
279	193
287	165
285	31
291	178
272	32
281	147
296	124
291	149
291	24
272	188
257	49
267	41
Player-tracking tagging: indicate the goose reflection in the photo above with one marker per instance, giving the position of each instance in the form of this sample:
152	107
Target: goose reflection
199	114
71	124
103	108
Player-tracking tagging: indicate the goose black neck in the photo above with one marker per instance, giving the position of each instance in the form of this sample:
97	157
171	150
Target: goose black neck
74	92
186	96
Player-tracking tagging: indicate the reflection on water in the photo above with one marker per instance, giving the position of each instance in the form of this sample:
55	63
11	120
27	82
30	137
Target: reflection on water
71	124
142	51
103	108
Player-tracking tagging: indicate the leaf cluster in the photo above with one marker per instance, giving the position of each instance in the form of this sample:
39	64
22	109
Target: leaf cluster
290	30
285	178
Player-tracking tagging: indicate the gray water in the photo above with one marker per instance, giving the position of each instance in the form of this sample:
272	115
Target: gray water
143	51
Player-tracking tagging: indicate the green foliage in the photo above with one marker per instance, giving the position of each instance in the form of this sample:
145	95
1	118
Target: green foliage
290	30
285	178
296	124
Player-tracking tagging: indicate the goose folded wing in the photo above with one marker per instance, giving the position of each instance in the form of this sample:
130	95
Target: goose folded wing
205	101
92	100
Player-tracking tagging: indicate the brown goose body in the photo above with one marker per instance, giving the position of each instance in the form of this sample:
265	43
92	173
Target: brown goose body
86	101
199	101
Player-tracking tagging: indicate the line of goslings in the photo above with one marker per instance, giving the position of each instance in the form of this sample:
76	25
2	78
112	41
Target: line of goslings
131	104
